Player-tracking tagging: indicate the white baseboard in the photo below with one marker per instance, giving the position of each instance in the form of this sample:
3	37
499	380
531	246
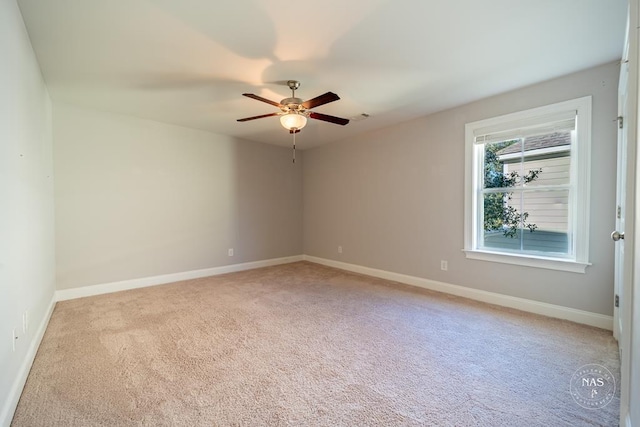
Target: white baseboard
105	288
9	407
550	310
579	316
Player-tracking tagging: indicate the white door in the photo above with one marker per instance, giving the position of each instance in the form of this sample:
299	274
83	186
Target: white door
621	185
626	221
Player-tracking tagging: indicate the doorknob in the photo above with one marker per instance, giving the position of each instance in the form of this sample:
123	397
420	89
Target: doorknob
616	235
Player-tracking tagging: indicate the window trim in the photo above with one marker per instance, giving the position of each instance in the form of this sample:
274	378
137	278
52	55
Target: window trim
580	183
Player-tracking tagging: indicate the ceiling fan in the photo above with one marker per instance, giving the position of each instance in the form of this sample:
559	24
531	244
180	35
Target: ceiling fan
294	112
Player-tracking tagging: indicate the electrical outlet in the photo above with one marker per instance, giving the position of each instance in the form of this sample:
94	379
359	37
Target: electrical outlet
444	265
230	251
25	321
14	338
339	249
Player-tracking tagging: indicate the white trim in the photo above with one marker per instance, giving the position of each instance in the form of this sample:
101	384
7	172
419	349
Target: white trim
8	410
545	309
105	288
9	407
579	316
529	261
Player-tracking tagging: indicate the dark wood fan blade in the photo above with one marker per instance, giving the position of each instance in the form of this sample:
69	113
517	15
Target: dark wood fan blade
320	100
259	98
246	119
328	118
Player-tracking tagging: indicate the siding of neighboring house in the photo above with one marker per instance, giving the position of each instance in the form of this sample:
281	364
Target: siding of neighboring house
549	210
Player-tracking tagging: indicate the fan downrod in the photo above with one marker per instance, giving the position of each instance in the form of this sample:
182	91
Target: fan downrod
293	103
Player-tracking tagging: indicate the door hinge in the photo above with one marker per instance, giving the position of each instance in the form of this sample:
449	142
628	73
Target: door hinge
616	301
620	122
619	212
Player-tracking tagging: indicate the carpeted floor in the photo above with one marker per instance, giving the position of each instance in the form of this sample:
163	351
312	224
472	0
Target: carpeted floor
306	345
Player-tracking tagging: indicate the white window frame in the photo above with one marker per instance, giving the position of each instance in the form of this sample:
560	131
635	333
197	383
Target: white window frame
580	174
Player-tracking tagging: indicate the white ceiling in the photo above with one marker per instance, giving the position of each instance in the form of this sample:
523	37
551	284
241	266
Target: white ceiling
187	62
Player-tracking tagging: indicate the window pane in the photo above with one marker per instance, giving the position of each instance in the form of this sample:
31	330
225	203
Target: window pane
547	159
540	160
502	220
497	240
531	221
547	214
497	173
549	171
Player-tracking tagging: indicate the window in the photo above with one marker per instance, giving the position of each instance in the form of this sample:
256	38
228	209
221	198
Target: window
527	187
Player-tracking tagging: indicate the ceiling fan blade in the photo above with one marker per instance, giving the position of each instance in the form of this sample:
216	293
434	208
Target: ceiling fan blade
320	100
259	98
246	119
328	118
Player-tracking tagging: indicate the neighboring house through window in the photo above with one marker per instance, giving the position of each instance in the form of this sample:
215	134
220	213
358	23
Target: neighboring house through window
527	187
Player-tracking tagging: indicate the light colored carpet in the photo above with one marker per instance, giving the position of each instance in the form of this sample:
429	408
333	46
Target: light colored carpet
306	345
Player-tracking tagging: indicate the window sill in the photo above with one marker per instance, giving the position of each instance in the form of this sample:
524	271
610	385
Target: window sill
529	261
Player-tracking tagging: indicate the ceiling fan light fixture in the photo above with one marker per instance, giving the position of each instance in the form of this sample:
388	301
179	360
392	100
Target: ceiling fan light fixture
293	121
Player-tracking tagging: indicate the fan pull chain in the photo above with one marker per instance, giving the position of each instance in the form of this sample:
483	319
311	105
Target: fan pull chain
294	147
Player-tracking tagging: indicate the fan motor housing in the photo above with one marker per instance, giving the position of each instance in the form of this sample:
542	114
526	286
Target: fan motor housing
292	104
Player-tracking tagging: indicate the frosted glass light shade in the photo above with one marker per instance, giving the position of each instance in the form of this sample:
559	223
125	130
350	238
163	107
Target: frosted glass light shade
293	121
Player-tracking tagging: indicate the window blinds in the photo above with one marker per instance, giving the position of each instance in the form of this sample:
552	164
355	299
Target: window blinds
556	122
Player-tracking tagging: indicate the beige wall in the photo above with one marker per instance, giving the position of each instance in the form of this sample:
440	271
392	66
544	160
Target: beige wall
137	198
26	205
394	199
